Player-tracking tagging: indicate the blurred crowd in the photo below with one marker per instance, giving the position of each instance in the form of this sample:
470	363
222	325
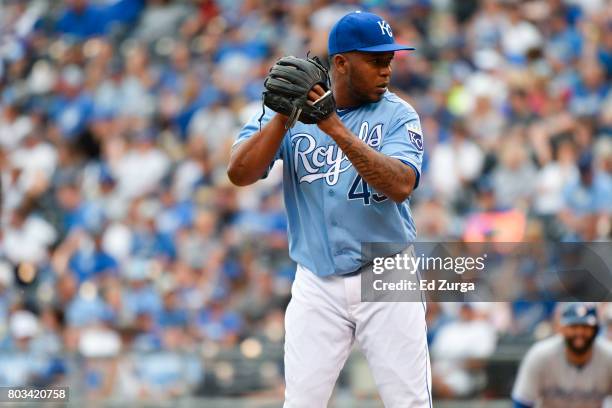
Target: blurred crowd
122	234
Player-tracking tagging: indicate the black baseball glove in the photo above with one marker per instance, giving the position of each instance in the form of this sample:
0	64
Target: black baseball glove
287	86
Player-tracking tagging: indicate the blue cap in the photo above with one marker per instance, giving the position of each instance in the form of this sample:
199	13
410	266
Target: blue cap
361	31
578	313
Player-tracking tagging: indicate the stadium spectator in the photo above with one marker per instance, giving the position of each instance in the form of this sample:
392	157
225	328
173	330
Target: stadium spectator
459	350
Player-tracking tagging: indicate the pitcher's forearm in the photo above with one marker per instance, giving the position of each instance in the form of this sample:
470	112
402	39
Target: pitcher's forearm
251	158
387	175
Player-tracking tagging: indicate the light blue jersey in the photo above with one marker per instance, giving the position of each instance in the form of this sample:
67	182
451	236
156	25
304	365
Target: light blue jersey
331	211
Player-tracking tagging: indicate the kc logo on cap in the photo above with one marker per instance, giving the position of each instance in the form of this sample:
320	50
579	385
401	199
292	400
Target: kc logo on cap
385	28
362	31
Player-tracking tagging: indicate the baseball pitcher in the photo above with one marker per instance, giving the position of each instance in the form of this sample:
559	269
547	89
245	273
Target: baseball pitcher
352	154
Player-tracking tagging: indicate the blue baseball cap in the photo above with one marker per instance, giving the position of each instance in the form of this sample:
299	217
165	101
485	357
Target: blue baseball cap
578	313
362	31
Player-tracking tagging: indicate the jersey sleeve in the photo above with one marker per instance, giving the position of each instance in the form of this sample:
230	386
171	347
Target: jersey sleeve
405	142
252	127
526	386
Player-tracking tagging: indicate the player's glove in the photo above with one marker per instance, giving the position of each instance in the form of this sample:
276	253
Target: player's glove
287	86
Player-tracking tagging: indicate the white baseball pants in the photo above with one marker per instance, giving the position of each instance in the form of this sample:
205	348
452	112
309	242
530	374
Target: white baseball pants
323	319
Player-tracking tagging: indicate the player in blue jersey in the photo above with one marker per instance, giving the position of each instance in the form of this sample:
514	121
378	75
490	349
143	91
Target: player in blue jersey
347	180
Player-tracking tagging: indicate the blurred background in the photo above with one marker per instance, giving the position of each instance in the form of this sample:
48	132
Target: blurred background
130	268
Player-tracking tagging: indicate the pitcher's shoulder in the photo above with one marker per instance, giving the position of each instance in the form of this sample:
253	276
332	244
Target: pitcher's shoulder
391	98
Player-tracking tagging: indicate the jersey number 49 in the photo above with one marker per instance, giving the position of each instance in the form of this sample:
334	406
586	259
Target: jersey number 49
360	190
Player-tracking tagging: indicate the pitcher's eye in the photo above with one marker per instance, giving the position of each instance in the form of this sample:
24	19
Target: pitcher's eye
382	61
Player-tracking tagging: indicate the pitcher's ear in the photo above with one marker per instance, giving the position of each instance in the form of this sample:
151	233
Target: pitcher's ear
339	62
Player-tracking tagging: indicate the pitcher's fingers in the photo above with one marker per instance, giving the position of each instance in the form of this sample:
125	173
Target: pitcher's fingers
319	89
313	96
